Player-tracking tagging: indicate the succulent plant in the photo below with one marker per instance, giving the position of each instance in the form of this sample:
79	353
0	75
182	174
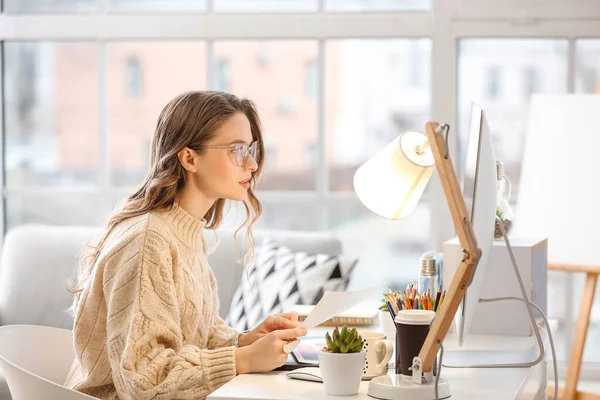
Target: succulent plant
346	341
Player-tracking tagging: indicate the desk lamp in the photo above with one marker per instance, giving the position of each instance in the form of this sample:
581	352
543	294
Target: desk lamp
390	184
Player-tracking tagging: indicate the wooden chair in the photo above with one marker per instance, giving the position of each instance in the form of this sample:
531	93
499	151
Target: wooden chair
570	392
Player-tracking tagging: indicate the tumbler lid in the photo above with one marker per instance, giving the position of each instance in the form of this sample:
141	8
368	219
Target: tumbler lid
415	317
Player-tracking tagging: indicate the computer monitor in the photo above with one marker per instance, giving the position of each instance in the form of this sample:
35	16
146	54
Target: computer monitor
479	190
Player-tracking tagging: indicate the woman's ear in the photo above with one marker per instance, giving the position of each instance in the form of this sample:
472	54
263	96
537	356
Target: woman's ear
187	158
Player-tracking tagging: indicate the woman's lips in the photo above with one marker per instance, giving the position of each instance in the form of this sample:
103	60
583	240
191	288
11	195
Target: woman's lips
246	183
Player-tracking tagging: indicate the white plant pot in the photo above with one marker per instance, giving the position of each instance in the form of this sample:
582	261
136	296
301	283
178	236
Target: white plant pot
341	373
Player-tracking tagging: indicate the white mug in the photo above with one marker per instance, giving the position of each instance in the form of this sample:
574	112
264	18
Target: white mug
379	352
388	327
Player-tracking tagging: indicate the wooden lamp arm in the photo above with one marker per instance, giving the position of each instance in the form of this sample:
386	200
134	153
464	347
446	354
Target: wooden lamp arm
467	239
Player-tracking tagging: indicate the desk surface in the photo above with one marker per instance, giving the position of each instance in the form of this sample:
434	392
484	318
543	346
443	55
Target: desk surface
465	383
489	384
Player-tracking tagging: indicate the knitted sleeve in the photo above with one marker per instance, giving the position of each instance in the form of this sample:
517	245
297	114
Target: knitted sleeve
144	338
220	335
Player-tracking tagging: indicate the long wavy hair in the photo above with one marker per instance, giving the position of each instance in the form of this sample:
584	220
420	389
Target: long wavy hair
189	120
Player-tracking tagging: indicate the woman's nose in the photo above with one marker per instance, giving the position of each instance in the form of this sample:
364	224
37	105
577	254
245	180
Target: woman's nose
251	165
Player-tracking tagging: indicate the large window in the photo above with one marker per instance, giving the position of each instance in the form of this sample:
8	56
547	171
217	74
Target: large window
334	81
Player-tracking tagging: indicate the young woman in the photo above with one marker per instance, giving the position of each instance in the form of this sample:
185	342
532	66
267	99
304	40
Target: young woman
146	307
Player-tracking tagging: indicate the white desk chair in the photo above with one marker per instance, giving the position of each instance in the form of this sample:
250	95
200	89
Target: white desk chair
35	361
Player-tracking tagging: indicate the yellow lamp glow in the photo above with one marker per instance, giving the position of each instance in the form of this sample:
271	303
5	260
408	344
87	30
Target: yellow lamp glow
391	182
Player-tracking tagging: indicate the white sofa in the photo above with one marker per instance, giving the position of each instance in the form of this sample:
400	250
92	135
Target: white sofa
37	260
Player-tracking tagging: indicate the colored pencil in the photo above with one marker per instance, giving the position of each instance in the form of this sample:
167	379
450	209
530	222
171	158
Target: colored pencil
392	301
437	298
442	299
392	313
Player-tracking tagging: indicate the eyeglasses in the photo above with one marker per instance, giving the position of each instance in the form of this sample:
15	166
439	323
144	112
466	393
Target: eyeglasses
239	151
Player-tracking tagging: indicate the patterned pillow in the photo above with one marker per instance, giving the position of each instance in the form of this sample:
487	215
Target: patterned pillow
280	278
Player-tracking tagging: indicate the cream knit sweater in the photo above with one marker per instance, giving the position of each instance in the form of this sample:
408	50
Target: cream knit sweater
147	325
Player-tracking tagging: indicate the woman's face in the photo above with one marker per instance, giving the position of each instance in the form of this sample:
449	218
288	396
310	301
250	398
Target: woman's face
218	175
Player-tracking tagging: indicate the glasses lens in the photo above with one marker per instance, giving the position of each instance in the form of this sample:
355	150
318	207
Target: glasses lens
240	150
243	151
253	149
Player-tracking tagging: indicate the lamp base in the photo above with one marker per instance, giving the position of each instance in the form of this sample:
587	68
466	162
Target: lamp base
396	387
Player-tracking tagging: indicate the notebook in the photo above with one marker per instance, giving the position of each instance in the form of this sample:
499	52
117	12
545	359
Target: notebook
357	316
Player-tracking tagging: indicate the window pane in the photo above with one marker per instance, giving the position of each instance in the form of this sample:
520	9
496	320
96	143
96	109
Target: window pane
375	90
587	67
301	216
142	78
51	124
273	74
378	5
501	75
158	5
50	6
60	209
390	256
277	214
258	6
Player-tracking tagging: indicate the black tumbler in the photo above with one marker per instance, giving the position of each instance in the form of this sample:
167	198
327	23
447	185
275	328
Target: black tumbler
412	327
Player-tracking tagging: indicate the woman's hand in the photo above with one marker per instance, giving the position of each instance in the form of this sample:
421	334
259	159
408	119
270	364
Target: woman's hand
267	352
272	323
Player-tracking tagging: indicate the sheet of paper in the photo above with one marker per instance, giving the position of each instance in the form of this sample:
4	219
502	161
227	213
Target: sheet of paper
334	303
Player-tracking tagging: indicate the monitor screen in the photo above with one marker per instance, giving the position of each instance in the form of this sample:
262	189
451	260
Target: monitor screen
479	191
471	158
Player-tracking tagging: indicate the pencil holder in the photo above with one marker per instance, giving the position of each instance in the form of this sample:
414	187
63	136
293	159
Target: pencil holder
397	359
412	327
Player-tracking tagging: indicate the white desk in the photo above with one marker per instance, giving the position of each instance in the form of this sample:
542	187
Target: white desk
471	383
489	384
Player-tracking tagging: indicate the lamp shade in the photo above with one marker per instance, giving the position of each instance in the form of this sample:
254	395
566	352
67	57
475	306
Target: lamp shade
392	181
